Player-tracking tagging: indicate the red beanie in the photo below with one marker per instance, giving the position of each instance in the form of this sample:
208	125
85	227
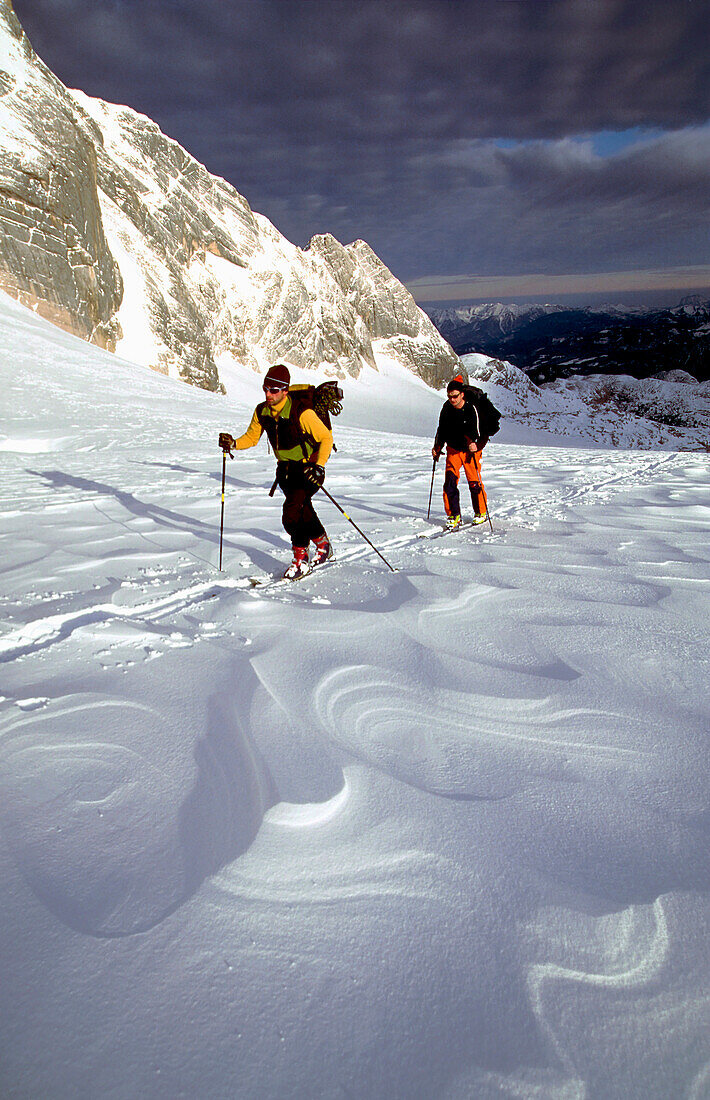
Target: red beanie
456	383
278	375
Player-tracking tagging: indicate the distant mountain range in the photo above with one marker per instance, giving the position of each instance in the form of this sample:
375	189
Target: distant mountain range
554	341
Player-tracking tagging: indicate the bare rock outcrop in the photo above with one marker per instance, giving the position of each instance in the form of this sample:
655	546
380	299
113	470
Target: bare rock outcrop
54	256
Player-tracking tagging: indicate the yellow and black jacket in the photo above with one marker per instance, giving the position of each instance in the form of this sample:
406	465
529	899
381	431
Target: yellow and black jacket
296	433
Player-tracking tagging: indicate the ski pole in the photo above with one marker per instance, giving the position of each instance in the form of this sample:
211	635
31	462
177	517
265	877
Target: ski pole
221	522
362	533
488	511
431	487
225	451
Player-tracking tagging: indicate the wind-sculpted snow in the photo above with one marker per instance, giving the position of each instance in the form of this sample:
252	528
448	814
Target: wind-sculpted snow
456	744
91	823
434	832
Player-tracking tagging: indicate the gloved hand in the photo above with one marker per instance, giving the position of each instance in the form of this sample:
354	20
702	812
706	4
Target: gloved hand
435	453
225	441
314	474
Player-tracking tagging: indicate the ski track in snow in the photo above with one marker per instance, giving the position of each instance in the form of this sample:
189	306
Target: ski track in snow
472	744
496	755
45	630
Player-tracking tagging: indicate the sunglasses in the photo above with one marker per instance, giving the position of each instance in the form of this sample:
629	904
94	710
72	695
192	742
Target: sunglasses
274	389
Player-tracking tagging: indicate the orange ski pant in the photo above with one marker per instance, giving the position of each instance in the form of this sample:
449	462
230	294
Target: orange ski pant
471	465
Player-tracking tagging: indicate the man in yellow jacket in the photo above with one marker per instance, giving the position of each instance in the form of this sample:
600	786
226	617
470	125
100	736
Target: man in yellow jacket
302	444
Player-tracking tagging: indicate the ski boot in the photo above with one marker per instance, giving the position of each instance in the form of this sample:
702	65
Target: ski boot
299	567
480	517
324	550
453	522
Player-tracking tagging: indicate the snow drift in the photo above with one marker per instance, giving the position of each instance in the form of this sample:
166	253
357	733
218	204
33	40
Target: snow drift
434	833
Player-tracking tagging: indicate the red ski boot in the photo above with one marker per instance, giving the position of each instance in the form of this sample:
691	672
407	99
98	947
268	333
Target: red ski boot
324	551
299	566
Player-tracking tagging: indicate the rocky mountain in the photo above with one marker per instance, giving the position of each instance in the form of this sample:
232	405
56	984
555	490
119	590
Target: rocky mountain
491	320
551	341
114	232
610	410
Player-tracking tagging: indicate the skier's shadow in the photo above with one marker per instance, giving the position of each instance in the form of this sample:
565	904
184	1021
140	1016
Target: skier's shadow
171	466
163	517
236	481
178	469
361	505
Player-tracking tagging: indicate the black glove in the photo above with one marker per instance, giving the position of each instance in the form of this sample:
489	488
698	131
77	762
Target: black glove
313	474
225	441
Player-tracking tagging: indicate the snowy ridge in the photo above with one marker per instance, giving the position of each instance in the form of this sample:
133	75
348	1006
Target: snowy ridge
496	316
506	315
614	411
135	246
439	832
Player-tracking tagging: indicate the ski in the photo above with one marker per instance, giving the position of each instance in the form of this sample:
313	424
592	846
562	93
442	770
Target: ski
465	525
270	581
274	580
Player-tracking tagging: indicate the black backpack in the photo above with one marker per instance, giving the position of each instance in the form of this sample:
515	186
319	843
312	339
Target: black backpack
488	415
326	400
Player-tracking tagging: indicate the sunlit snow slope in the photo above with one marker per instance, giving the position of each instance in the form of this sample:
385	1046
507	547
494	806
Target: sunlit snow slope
438	832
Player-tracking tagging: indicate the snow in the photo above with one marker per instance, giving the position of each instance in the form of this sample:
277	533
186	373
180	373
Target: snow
597	410
15	137
138	341
441	832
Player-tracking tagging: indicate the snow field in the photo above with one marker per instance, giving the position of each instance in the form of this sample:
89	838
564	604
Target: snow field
439	832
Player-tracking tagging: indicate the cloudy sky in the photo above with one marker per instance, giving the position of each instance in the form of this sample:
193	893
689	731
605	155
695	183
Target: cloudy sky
484	148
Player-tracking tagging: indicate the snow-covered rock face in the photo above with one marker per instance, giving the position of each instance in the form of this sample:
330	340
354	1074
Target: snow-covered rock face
612	410
54	255
114	232
493	317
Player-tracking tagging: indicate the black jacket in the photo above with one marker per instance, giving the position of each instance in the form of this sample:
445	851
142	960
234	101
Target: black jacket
458	427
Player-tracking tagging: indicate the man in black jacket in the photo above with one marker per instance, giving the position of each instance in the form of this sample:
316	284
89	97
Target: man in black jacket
460	430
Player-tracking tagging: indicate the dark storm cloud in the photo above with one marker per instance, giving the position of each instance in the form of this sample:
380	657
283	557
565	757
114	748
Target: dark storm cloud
381	118
395	68
559	207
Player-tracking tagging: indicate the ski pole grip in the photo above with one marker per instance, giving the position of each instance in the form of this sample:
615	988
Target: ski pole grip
226	442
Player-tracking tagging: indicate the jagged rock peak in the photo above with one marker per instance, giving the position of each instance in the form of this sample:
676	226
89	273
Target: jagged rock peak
112	230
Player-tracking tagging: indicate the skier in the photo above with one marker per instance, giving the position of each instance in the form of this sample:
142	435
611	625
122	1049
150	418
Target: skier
465	422
302	444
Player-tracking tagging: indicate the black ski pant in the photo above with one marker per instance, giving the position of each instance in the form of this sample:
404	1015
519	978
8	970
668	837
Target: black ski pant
299	517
